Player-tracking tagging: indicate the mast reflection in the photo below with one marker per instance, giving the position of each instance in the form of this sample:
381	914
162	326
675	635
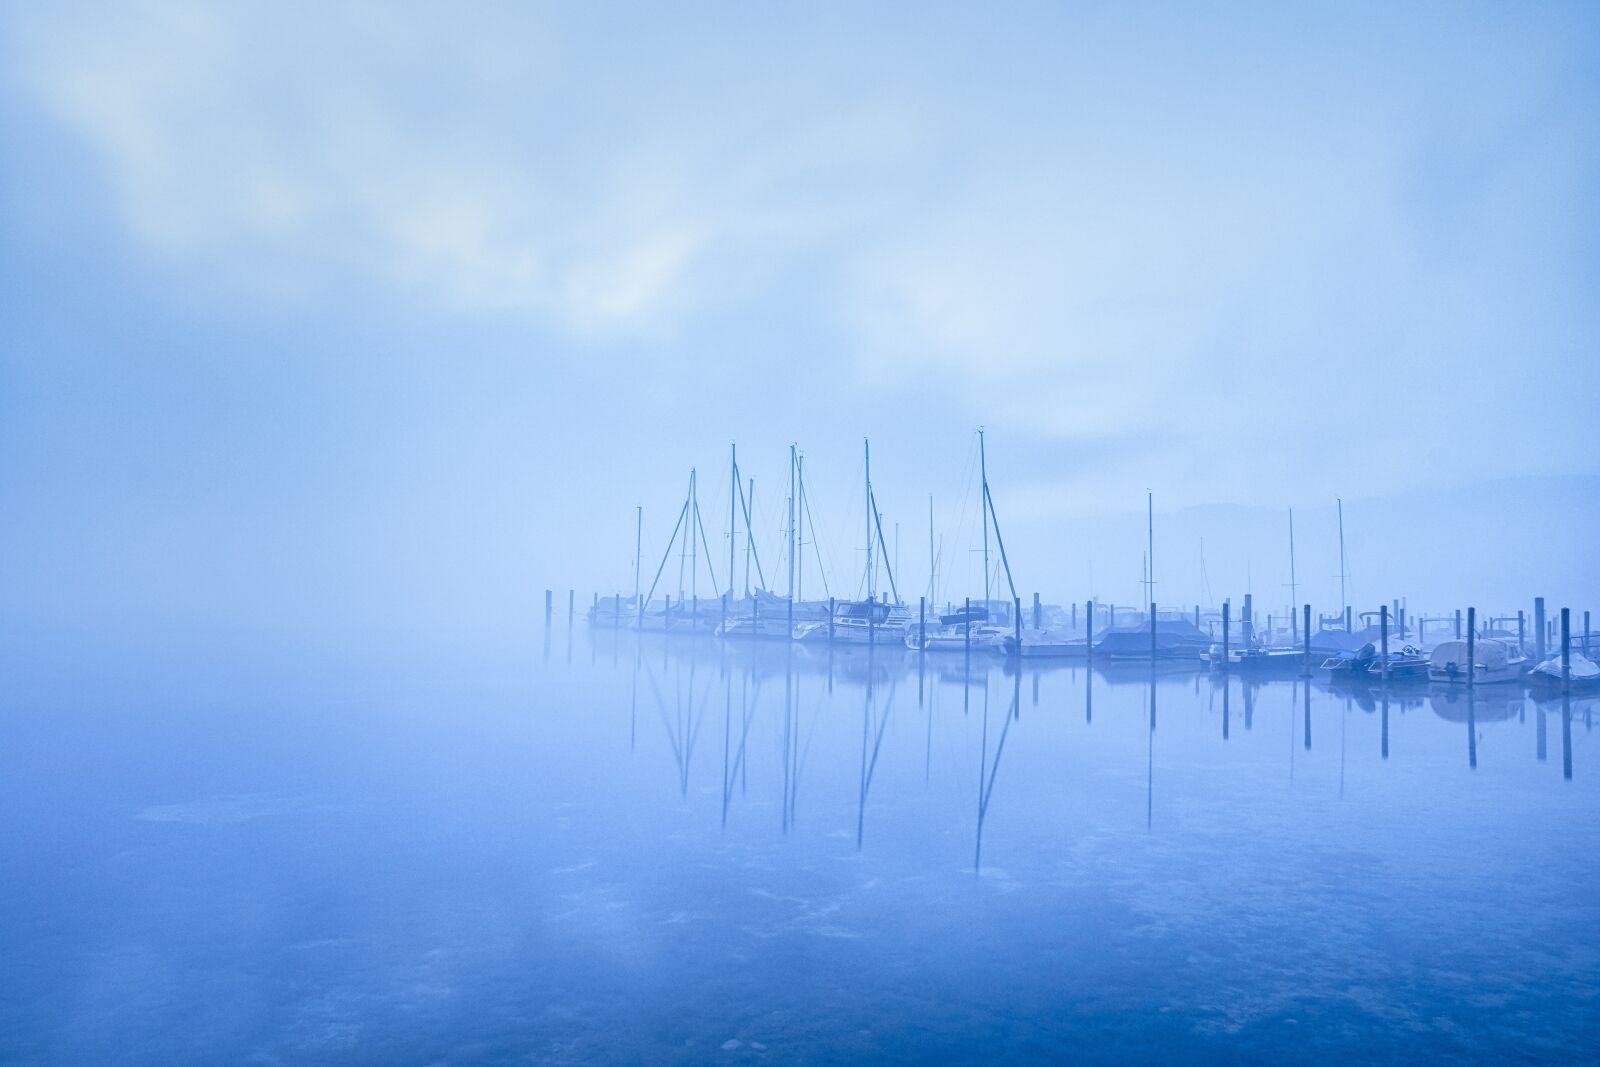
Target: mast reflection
988	771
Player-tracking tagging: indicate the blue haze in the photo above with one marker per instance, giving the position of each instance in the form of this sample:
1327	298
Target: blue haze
331	338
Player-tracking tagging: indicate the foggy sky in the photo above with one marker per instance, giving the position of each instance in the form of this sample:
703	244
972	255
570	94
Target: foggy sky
338	320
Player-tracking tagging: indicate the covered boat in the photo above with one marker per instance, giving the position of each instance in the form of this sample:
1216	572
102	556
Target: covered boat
1494	661
1584	671
1174	639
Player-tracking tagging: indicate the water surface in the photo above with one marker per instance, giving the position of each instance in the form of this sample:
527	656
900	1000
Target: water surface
608	849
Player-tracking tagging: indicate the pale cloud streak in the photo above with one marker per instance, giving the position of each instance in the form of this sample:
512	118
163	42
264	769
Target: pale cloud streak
233	145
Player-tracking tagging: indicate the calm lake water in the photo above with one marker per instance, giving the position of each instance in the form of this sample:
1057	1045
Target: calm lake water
612	849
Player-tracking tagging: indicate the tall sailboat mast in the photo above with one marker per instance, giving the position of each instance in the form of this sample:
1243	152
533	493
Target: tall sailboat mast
933	560
983	471
1150	548
694	546
733	509
683	549
800	535
990	516
638	550
1343	604
872	591
1294	593
792	490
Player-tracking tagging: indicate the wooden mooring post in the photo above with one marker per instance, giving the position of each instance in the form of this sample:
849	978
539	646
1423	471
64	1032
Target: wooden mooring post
1538	629
549	599
922	623
1038	612
1383	635
1472	639
1227	608
1566	650
1306	629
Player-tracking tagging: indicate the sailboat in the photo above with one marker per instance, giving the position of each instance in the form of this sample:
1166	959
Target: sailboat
872	620
688	612
972	627
760	614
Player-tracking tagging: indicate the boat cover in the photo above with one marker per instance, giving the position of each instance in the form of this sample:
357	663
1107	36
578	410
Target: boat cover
1583	668
1491	653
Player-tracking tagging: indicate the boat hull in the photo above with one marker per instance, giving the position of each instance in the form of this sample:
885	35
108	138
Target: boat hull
1498	676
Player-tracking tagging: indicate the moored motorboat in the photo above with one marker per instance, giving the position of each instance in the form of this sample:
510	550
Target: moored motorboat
859	622
1278	659
1348	663
756	626
1407	664
960	631
1494	662
612	611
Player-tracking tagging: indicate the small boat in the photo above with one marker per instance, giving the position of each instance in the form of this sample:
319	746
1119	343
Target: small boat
612	611
967	637
1045	643
860	622
1494	662
1280	659
756	626
1347	664
1408	664
960	631
1584	672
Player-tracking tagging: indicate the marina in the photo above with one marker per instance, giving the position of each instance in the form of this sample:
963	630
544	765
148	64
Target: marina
1388	646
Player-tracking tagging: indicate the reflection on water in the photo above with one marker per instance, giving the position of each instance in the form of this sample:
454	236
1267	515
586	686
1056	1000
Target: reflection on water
556	858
